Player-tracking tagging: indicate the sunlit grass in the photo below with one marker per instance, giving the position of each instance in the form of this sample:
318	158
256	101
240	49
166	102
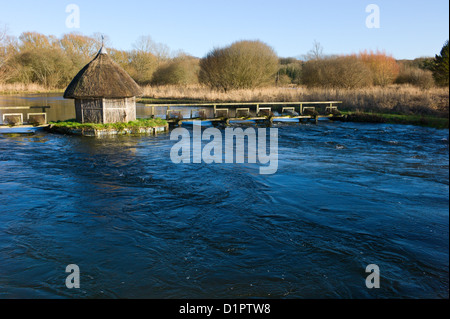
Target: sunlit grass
139	123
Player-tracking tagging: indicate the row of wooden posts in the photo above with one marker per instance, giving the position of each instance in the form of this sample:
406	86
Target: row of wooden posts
263	111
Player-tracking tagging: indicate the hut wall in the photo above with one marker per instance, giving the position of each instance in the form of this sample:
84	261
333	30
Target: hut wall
119	110
105	110
89	110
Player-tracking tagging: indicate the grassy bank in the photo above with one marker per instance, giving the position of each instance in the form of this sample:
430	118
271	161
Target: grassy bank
139	123
420	120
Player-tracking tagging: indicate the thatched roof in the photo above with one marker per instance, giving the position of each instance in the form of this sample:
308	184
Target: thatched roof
102	78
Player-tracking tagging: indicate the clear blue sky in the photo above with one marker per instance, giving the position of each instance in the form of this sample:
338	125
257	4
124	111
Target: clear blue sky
408	29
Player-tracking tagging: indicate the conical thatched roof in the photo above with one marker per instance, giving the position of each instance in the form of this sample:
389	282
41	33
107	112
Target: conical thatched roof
102	78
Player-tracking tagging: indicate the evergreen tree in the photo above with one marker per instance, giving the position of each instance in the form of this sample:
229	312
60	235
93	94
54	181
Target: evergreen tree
440	67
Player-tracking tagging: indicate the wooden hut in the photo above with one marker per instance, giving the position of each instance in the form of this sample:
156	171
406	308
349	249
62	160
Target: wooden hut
103	92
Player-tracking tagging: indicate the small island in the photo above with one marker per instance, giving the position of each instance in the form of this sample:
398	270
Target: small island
151	126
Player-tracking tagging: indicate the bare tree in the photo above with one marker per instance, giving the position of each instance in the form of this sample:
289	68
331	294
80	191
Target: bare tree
145	44
316	53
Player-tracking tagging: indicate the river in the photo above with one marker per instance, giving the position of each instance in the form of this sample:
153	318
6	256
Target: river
346	195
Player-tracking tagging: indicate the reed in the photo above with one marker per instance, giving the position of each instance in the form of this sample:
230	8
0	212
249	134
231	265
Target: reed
395	99
17	88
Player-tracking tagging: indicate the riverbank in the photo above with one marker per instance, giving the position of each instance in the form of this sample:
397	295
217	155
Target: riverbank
419	120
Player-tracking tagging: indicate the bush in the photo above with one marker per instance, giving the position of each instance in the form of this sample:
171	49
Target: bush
415	76
291	68
182	70
48	67
384	68
341	72
142	66
243	65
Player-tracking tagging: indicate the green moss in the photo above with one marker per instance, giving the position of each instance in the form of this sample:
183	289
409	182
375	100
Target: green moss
139	123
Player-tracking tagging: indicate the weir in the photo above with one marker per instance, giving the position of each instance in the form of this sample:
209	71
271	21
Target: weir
247	111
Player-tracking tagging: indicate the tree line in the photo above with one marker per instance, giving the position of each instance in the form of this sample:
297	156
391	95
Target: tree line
53	62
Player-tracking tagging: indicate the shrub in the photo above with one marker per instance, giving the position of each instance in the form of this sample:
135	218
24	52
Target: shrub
291	68
341	72
48	67
142	66
415	76
242	65
182	70
384	68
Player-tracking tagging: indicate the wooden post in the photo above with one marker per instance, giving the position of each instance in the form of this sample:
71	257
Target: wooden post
316	119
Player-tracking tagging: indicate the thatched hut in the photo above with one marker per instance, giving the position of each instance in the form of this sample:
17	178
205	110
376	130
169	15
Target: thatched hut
103	92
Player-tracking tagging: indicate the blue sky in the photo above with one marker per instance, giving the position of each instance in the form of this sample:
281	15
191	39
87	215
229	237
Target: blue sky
408	29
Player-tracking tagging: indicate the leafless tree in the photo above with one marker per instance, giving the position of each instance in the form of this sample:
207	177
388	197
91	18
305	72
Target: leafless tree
316	53
145	44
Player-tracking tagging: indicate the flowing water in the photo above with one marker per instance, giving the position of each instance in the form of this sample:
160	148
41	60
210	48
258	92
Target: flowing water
345	195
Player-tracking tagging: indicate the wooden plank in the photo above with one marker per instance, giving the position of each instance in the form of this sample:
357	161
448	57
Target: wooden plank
23	107
243	103
259	118
15	108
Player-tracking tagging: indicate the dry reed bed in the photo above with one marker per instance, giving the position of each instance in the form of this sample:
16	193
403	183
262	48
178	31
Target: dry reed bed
16	88
401	99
